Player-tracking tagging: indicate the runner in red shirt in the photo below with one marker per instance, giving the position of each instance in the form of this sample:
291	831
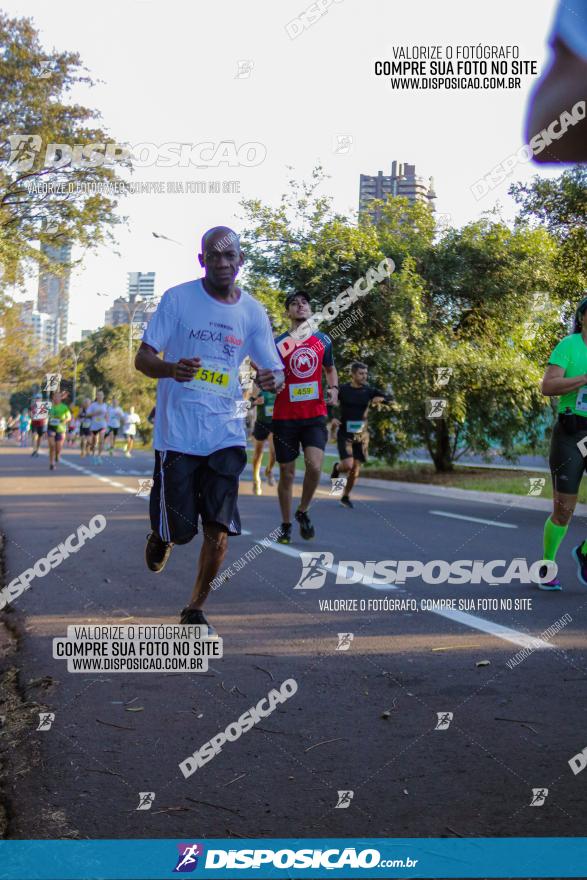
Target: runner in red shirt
299	413
39	419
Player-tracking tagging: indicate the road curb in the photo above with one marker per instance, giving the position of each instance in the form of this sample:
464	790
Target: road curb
524	502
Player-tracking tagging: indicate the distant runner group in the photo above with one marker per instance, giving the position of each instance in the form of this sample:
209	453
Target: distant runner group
92	424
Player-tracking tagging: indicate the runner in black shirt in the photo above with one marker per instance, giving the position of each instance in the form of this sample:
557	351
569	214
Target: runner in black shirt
353	437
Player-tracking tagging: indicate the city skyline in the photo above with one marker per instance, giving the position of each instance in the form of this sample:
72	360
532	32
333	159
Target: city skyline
349	137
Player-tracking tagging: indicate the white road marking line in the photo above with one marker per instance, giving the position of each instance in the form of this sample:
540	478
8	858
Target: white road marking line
494	629
470	620
487	522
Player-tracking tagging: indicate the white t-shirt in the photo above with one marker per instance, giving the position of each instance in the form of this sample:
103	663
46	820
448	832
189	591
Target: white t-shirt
129	423
115	413
200	417
99	413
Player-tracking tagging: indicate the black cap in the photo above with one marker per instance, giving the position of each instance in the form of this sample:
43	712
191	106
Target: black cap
292	296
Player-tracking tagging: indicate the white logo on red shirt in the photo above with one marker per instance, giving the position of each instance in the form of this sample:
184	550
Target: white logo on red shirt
303	362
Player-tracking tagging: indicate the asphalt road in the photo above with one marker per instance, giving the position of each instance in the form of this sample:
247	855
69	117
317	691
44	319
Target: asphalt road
362	719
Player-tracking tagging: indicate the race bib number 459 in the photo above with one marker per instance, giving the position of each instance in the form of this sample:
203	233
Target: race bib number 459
303	391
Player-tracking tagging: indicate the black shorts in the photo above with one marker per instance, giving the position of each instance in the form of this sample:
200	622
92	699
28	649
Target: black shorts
288	434
39	429
262	430
352	445
186	487
84	432
567	464
59	435
112	431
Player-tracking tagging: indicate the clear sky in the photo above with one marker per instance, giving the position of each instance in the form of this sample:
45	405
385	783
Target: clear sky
168	72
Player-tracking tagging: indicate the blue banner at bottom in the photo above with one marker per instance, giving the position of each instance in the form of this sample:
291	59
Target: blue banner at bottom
369	857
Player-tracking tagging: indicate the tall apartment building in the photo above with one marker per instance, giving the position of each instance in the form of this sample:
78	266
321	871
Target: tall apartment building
53	290
403	181
44	328
141	285
124	312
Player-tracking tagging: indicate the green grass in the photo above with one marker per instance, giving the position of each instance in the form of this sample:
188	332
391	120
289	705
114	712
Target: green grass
480	479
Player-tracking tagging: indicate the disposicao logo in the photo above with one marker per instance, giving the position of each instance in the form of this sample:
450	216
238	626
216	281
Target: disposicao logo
187	860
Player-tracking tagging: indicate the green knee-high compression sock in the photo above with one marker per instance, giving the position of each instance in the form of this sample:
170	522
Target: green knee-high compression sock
553	536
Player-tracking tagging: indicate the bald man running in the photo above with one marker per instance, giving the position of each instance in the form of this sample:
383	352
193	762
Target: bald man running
205	328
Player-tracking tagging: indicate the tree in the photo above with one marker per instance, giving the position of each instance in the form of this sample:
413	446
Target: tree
560	206
34	113
463	303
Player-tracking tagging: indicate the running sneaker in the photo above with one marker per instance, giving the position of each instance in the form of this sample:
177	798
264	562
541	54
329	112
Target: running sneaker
110	452
127	455
346	502
33	453
51	467
270	477
306	528
551	585
196	617
554	584
257	487
581	560
157	552
285	534
334	473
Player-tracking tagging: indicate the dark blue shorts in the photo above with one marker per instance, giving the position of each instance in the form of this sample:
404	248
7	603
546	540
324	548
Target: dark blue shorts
187	488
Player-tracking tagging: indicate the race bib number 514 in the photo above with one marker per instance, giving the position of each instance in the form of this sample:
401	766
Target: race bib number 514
211	380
